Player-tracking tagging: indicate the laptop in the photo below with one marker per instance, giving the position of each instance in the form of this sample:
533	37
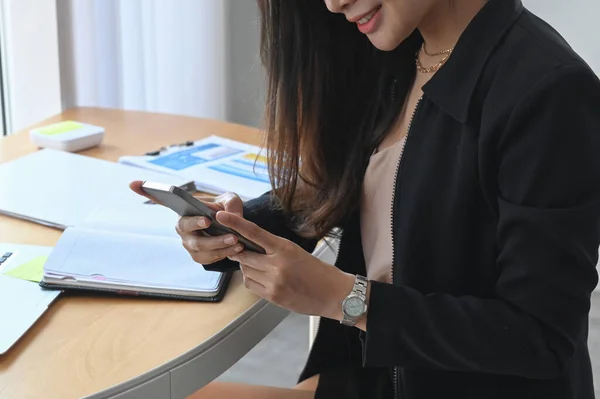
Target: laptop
21	302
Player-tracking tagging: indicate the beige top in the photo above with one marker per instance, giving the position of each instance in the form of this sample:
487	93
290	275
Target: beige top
376	212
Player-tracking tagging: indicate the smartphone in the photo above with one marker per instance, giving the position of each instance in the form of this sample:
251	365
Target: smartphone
185	204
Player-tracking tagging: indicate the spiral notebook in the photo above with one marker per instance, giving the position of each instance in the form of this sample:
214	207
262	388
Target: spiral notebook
130	259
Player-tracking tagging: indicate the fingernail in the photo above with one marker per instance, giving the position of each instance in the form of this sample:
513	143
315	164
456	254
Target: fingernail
229	240
238	248
202	222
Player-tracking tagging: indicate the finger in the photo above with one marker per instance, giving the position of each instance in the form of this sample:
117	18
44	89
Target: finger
208	257
223	253
210	202
250	230
252	259
189	224
255	287
136	187
194	243
208	199
255	276
232	203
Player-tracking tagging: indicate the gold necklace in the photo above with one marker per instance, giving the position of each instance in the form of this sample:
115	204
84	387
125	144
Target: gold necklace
424	47
433	68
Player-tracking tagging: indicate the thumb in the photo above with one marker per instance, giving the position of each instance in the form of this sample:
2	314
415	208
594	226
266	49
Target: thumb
232	203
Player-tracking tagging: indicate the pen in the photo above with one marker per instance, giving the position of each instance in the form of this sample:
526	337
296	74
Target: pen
157	152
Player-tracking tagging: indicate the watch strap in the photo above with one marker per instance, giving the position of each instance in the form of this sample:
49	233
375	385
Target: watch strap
360	285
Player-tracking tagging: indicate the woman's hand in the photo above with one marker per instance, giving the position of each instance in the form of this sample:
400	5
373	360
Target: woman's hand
204	249
287	275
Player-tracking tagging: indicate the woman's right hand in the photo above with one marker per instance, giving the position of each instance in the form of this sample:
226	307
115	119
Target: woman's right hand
204	249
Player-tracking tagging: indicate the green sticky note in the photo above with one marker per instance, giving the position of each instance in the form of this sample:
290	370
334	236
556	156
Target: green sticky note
59	128
30	271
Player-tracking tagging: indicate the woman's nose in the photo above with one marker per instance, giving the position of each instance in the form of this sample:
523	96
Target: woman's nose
338	6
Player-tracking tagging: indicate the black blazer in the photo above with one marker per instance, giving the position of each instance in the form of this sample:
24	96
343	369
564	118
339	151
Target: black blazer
496	228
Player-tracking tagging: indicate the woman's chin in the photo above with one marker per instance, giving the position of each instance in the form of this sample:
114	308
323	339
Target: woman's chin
383	41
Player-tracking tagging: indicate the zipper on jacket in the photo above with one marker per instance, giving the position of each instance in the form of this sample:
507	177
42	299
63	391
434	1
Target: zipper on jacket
397	381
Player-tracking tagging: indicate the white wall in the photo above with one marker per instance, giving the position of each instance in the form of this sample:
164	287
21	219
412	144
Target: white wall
245	79
30	42
577	21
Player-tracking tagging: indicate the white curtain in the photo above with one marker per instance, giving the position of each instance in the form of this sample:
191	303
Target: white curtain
150	55
29	62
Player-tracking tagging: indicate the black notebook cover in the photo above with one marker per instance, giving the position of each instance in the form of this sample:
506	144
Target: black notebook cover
218	297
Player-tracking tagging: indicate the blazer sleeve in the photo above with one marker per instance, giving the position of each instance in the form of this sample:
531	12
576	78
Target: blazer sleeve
265	212
547	235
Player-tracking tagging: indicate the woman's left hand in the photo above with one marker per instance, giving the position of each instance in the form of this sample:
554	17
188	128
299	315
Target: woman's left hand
287	275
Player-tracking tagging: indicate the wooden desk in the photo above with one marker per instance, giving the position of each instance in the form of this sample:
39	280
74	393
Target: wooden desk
129	348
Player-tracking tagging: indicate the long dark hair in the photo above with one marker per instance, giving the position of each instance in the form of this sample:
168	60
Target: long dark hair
329	103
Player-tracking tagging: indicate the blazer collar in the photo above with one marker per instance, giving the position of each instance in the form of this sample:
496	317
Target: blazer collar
453	86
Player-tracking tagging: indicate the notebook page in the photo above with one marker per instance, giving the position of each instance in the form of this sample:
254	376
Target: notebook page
126	257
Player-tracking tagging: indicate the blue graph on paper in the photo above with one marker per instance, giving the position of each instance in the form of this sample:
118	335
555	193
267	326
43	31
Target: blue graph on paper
244	168
193	156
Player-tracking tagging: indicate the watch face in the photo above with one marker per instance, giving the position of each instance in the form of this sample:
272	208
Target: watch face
354	307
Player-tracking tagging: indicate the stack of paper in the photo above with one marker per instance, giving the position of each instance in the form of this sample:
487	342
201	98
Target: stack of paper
215	164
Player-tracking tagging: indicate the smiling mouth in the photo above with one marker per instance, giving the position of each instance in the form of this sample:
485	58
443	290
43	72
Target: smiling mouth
368	17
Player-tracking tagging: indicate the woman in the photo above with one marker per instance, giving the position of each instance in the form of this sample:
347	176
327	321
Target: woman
456	144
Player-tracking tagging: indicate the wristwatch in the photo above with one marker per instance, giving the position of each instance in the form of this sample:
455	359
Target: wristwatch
355	304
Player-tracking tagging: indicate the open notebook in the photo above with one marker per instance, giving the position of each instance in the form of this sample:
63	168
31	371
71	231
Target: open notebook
142	258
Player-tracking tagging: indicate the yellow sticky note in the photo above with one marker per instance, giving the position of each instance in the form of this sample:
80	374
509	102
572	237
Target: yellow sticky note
59	128
30	271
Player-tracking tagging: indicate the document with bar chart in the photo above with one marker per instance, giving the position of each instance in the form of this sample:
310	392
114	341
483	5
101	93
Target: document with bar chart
217	165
